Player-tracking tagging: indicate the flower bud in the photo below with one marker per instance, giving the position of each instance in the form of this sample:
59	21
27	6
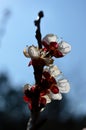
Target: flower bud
25	52
33	52
27	87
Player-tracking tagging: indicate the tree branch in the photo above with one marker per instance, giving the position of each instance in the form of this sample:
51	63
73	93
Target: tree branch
37	24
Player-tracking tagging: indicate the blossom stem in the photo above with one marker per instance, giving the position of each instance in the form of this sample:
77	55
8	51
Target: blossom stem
33	123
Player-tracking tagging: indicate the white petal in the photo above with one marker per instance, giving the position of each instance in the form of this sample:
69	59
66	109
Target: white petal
59	77
54	71
64	47
50	38
57	96
46	69
48	100
25	52
63	85
33	52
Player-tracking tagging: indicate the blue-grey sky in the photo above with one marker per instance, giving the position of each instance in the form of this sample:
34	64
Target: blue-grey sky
66	19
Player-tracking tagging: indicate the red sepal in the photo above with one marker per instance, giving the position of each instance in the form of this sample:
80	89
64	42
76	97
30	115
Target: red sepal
26	99
46	74
53	45
57	54
43	101
45	44
30	106
30	63
55	89
32	89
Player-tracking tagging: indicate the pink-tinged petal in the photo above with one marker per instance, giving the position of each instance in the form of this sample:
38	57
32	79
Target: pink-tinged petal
54	89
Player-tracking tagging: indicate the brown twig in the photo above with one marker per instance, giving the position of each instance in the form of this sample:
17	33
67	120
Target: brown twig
33	123
38	32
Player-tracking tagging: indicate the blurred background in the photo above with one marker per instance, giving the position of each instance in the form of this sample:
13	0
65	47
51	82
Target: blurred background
66	19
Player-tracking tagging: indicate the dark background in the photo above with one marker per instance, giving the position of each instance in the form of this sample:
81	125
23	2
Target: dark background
14	112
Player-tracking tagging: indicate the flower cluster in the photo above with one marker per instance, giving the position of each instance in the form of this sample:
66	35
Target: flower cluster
52	83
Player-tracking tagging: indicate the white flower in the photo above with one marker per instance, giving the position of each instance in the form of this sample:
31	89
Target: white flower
50	38
63	85
64	47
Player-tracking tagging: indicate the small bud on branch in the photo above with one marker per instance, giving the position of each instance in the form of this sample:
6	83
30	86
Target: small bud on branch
38	32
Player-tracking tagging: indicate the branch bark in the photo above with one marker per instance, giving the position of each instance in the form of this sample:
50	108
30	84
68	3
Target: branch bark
34	123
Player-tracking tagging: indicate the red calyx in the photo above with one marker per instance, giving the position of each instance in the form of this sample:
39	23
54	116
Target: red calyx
46	74
43	101
26	99
53	45
55	89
